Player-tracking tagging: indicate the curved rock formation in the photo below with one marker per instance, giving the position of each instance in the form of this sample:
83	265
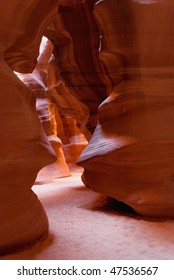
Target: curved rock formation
76	41
24	149
130	155
115	55
37	82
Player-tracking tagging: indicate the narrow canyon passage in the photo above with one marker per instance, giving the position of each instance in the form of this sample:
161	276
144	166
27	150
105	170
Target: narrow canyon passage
86	82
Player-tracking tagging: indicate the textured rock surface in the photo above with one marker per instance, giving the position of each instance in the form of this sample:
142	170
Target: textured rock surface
37	82
24	149
76	42
118	57
130	155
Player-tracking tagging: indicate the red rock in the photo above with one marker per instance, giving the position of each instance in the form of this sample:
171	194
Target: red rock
24	149
130	155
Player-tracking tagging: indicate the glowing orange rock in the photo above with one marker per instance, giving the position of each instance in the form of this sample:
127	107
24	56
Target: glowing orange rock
24	149
130	155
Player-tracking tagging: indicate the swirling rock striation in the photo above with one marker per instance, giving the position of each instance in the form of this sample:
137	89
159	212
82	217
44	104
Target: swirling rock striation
24	148
76	41
130	155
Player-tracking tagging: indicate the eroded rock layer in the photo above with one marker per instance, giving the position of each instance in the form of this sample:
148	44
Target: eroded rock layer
24	148
76	41
130	155
113	55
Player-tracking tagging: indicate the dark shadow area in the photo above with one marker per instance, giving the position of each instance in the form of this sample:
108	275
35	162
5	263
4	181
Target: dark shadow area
29	251
113	206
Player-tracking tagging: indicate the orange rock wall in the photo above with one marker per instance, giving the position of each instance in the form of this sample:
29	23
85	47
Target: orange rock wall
24	149
115	60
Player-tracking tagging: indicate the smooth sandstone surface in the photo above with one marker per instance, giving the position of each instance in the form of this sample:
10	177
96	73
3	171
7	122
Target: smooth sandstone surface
24	148
114	61
130	155
37	82
76	41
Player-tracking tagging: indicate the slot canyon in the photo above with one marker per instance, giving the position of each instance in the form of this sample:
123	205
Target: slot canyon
86	121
